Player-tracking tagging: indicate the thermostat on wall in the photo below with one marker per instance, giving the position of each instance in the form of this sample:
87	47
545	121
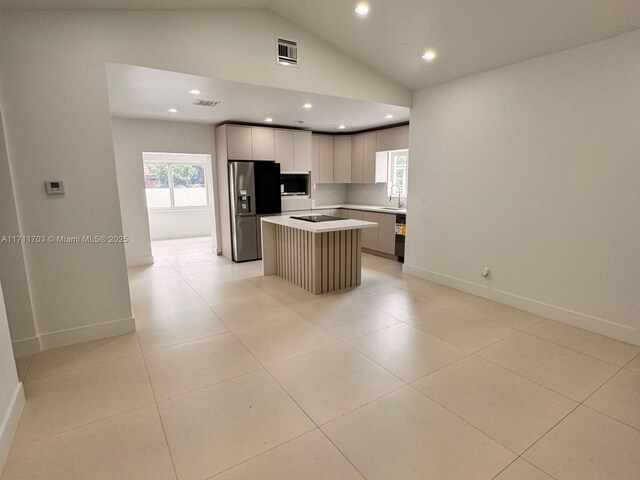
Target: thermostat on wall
54	187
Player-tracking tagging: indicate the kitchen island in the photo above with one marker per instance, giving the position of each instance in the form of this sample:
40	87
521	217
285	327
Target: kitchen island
317	256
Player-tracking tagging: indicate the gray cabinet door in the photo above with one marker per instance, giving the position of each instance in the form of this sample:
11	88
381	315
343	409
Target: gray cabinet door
302	151
357	158
263	143
284	150
239	143
342	159
356	214
369	158
325	158
387	233
370	235
393	139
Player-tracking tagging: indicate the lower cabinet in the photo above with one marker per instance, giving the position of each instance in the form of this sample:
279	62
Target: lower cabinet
380	239
356	214
387	233
370	235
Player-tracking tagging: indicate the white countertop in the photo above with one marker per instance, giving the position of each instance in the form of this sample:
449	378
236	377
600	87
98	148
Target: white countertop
365	208
343	224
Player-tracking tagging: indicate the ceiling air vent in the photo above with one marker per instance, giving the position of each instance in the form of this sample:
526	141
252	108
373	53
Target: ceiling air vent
206	103
287	52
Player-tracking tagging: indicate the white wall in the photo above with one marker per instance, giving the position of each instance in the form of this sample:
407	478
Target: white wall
169	224
11	393
13	273
133	137
53	94
534	171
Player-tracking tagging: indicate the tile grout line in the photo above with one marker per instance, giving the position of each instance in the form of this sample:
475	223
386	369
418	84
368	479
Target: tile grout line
343	341
464	420
99	364
528	463
261	453
93	422
293	400
573	349
153	392
579	404
281	388
526	378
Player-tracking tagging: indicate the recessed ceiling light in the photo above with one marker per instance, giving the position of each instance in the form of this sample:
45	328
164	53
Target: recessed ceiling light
341	127
307	106
173	110
362	9
268	119
388	116
429	55
194	91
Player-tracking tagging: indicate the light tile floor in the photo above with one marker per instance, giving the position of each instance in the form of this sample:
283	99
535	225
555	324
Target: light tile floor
232	375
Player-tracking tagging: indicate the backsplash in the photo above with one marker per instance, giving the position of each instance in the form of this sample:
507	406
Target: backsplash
360	194
329	193
374	194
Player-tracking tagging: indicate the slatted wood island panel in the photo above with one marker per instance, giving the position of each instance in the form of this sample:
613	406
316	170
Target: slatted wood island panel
319	257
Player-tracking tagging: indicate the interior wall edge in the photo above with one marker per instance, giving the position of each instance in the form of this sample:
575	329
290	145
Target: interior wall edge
13	268
9	423
26	346
140	261
62	338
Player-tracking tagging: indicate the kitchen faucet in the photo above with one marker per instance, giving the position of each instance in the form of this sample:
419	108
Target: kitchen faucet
397	190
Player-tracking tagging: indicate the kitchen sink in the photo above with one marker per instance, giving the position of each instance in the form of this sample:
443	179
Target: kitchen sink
395	209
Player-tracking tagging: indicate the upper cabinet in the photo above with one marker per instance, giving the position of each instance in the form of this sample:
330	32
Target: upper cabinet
263	143
369	157
392	139
301	151
357	158
329	158
323	158
290	148
239	143
284	150
293	150
250	143
342	159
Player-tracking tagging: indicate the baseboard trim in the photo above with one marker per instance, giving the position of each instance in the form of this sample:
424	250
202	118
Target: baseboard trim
577	319
140	261
62	338
26	346
9	424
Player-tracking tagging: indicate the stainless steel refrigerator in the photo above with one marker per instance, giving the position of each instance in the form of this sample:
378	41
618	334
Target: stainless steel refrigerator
254	190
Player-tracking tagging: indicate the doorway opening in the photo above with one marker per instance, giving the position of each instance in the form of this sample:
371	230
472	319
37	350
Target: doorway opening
178	194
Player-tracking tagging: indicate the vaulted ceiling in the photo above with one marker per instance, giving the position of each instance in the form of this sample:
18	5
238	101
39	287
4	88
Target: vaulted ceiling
469	36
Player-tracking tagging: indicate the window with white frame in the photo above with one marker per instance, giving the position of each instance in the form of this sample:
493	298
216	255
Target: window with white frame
175	185
398	162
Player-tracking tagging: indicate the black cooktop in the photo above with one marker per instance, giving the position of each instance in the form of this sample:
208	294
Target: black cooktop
318	218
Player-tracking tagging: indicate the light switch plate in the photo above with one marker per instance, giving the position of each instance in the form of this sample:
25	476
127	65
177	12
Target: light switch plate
54	187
